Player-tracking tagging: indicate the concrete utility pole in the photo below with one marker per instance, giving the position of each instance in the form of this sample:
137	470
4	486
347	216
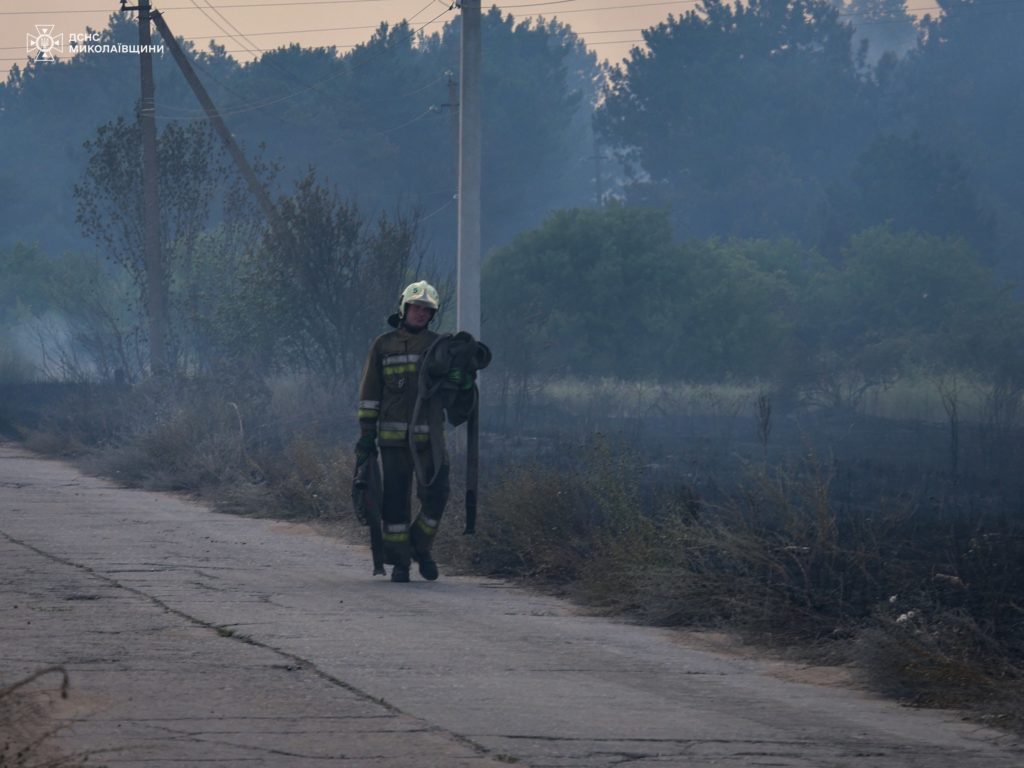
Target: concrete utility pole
453	106
468	269
156	280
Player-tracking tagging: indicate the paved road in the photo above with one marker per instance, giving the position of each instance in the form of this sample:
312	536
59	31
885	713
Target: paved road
197	638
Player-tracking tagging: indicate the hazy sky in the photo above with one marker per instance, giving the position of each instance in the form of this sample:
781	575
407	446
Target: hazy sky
610	27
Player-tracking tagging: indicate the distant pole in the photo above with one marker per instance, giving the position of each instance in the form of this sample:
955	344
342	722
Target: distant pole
598	181
156	281
468	268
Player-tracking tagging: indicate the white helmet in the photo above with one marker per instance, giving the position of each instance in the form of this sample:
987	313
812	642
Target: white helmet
422	293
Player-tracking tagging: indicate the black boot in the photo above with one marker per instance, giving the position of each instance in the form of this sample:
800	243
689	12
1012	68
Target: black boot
401	574
428	568
422	538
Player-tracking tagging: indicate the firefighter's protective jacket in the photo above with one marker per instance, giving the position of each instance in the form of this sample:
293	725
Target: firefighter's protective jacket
388	391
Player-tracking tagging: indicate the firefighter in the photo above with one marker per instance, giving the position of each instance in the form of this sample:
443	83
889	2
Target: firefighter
387	402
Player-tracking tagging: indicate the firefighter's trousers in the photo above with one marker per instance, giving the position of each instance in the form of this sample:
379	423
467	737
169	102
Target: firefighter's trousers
406	539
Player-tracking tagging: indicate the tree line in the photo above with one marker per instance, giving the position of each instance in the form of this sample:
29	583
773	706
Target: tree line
611	293
771	171
795	118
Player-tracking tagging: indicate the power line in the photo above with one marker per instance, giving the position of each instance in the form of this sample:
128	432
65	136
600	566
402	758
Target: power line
277	66
315	2
305	31
270	102
974	7
630	5
291	76
436	211
218	25
845	14
197	36
416	119
422	88
246	42
190	8
531	5
386	131
252	48
37	11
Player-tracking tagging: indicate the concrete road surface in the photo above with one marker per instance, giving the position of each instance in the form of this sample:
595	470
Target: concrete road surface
195	638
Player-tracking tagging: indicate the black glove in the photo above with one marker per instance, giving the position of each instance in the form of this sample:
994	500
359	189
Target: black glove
366	448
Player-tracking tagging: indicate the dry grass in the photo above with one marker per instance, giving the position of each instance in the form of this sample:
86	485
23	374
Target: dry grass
922	595
914	395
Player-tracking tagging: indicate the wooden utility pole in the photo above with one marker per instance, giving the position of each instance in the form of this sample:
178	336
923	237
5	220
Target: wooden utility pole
468	268
218	123
156	279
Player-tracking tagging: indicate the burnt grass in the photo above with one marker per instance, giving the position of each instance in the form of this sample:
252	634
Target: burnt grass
892	547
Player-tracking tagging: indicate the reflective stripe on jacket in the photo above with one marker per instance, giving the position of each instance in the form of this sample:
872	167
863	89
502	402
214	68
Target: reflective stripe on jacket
387	392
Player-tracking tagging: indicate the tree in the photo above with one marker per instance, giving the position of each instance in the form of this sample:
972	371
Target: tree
48	110
375	120
884	26
194	173
737	116
963	90
734	308
582	294
539	89
607	292
912	187
899	301
321	284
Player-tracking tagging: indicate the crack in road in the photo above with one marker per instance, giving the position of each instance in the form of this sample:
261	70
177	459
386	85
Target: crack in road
200	738
224	632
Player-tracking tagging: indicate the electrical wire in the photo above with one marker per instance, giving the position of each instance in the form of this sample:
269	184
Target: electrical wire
987	4
434	213
246	42
190	8
630	5
422	88
416	119
976	8
220	26
259	34
277	66
531	5
293	94
387	131
844	14
252	49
